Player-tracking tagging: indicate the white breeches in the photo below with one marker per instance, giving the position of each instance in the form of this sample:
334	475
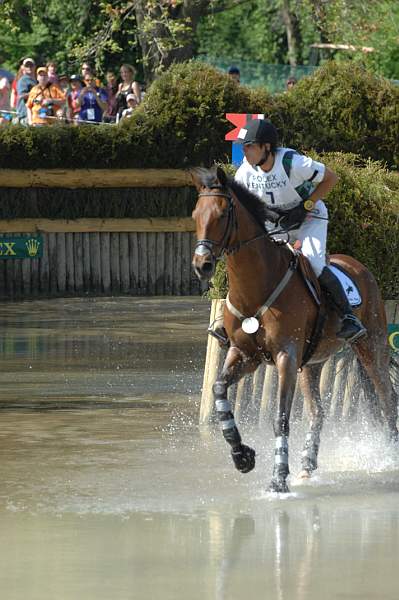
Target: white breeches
313	236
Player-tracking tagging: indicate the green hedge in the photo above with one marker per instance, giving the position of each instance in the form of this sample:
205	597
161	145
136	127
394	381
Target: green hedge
47	203
342	107
182	122
364	220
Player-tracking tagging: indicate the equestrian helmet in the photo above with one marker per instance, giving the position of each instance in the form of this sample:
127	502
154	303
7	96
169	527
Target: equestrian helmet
258	131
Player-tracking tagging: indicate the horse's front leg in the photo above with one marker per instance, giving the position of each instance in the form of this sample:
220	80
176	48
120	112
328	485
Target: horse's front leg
287	372
235	366
310	387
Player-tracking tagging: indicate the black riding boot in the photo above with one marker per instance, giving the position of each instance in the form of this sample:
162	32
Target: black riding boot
352	328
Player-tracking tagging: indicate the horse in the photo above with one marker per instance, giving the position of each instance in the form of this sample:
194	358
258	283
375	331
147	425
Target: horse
272	315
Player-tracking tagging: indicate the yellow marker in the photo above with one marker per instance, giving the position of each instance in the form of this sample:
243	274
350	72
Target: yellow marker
308	204
392	340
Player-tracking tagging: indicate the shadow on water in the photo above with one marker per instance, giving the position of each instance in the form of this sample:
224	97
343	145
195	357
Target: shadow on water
137	501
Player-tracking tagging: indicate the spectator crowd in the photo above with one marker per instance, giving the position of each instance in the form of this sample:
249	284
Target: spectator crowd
39	95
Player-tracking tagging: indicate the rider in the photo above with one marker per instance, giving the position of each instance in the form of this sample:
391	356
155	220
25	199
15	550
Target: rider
293	183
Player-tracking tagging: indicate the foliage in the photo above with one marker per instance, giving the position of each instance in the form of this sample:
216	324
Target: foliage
182	122
342	107
68	33
255	31
372	24
153	34
183	116
364	220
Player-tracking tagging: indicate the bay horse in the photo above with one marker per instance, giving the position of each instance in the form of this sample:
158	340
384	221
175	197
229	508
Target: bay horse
266	287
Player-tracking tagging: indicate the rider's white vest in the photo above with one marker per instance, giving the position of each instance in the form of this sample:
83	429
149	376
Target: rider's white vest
291	180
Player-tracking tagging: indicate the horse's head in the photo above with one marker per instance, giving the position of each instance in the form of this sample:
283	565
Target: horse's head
213	216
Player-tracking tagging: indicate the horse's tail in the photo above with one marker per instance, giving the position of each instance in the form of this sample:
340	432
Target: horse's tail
370	395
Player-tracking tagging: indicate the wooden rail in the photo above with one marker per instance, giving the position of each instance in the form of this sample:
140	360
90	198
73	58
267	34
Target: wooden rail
161	224
94	178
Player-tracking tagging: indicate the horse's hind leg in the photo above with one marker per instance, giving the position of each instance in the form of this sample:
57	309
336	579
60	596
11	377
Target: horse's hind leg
235	366
310	386
374	357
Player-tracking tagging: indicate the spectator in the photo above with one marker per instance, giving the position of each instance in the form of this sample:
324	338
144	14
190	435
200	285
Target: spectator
234	73
5	90
291	81
73	95
92	101
85	70
14	95
63	84
112	90
44	100
131	101
128	86
24	86
52	72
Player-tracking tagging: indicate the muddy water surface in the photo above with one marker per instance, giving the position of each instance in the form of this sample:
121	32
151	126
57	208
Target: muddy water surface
110	490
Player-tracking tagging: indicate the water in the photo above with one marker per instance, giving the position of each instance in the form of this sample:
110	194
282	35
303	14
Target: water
109	489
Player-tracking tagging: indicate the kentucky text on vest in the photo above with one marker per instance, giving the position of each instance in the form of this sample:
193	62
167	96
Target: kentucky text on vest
267	185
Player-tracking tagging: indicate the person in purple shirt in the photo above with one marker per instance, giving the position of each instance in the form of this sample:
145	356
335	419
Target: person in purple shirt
92	101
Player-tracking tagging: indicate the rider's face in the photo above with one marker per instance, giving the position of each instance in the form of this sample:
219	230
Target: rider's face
254	153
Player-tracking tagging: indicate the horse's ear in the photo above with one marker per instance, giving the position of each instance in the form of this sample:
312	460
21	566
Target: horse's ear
221	175
196	178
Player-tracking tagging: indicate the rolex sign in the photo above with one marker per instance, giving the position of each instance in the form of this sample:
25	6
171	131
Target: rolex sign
24	246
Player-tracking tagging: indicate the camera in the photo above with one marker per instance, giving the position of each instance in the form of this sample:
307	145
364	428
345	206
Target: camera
47	111
50	109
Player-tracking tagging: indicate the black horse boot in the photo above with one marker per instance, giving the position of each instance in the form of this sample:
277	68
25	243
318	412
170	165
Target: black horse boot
220	334
352	328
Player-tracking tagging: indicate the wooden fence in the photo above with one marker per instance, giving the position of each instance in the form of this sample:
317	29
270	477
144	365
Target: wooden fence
104	263
100	256
254	396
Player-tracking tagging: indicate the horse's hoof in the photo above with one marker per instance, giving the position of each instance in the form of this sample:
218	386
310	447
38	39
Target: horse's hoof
304	474
279	486
244	458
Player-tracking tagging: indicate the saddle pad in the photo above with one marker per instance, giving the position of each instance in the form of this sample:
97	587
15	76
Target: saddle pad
351	290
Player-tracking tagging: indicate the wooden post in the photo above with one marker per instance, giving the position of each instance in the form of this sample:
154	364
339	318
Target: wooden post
214	358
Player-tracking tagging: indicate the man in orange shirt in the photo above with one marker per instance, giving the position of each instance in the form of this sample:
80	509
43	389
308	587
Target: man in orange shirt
44	100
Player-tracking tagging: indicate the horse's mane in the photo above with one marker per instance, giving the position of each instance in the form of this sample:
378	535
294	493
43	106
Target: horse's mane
251	202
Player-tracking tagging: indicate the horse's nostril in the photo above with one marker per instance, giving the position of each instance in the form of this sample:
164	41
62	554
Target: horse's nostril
207	267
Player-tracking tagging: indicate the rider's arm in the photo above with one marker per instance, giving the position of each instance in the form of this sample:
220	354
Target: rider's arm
325	186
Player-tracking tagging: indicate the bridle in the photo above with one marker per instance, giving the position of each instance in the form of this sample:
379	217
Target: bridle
206	246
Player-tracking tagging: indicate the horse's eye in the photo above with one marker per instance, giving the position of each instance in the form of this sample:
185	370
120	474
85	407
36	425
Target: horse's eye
223	214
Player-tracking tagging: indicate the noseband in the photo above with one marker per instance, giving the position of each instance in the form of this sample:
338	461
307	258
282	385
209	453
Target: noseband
206	246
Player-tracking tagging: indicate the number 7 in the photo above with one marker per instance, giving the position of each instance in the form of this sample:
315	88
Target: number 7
271	197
